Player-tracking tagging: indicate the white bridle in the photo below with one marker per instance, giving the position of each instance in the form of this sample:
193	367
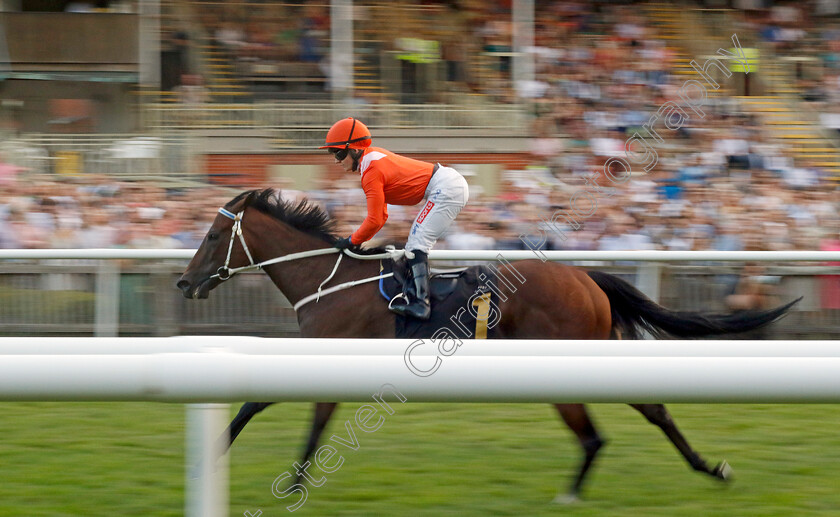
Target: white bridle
225	272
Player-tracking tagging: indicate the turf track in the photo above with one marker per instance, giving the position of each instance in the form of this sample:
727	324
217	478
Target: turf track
428	459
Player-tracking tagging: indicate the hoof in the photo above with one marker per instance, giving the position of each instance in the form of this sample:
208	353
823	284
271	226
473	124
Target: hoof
723	471
566	499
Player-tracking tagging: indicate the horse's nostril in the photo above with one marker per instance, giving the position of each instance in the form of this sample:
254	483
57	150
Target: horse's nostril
183	285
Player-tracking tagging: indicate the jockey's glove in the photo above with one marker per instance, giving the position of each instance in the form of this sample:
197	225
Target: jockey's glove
344	243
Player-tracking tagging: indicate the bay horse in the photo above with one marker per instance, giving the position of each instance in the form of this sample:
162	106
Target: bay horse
558	302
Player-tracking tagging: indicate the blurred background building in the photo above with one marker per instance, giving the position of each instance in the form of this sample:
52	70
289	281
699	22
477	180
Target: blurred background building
127	123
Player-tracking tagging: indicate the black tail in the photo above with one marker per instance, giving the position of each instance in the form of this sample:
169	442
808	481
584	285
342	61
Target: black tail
632	312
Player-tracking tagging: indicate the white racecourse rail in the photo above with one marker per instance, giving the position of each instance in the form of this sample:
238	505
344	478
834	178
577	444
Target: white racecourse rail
228	369
607	256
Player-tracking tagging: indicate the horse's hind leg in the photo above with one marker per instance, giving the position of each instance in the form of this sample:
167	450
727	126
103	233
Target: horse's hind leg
576	417
659	416
323	413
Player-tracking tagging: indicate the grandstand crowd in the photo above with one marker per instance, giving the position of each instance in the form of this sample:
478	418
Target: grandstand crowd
706	205
474	38
720	183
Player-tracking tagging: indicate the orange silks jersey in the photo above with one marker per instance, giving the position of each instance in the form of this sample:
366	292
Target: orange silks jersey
388	178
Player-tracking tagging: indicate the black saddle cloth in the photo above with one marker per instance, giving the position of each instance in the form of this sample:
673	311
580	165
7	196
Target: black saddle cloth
462	303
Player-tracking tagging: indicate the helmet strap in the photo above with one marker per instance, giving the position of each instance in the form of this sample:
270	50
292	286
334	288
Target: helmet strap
352	127
350	139
355	154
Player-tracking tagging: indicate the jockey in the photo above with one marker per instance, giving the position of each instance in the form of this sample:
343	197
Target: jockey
389	178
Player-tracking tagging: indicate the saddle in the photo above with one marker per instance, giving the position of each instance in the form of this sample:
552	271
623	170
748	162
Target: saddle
452	291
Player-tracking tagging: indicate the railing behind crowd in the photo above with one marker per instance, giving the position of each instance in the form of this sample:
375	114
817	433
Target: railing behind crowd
65	297
302	125
164	157
168	153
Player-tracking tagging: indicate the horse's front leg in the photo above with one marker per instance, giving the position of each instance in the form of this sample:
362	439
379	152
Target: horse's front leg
225	440
246	413
323	413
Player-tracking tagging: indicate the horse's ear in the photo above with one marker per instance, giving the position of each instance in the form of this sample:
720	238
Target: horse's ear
247	201
251	195
241	201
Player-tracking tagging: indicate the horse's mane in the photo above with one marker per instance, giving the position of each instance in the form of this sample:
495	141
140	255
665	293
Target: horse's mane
304	215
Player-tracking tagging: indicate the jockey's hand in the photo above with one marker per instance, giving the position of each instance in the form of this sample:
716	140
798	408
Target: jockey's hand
344	243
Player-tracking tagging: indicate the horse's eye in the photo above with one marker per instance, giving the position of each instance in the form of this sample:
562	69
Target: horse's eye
212	236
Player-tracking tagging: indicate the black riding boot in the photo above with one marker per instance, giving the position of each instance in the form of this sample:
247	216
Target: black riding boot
417	294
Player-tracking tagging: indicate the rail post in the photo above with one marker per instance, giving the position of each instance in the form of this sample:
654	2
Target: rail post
206	478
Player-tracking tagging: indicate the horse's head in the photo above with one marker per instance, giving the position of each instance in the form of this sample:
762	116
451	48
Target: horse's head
294	227
218	254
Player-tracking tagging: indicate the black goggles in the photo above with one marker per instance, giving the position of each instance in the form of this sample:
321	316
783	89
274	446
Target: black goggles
340	154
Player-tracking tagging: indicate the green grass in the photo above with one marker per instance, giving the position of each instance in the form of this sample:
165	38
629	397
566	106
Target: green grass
103	459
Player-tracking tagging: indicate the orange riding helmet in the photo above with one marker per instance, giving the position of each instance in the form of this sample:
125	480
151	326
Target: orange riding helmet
348	133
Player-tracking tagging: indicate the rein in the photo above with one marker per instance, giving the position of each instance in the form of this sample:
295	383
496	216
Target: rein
225	272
